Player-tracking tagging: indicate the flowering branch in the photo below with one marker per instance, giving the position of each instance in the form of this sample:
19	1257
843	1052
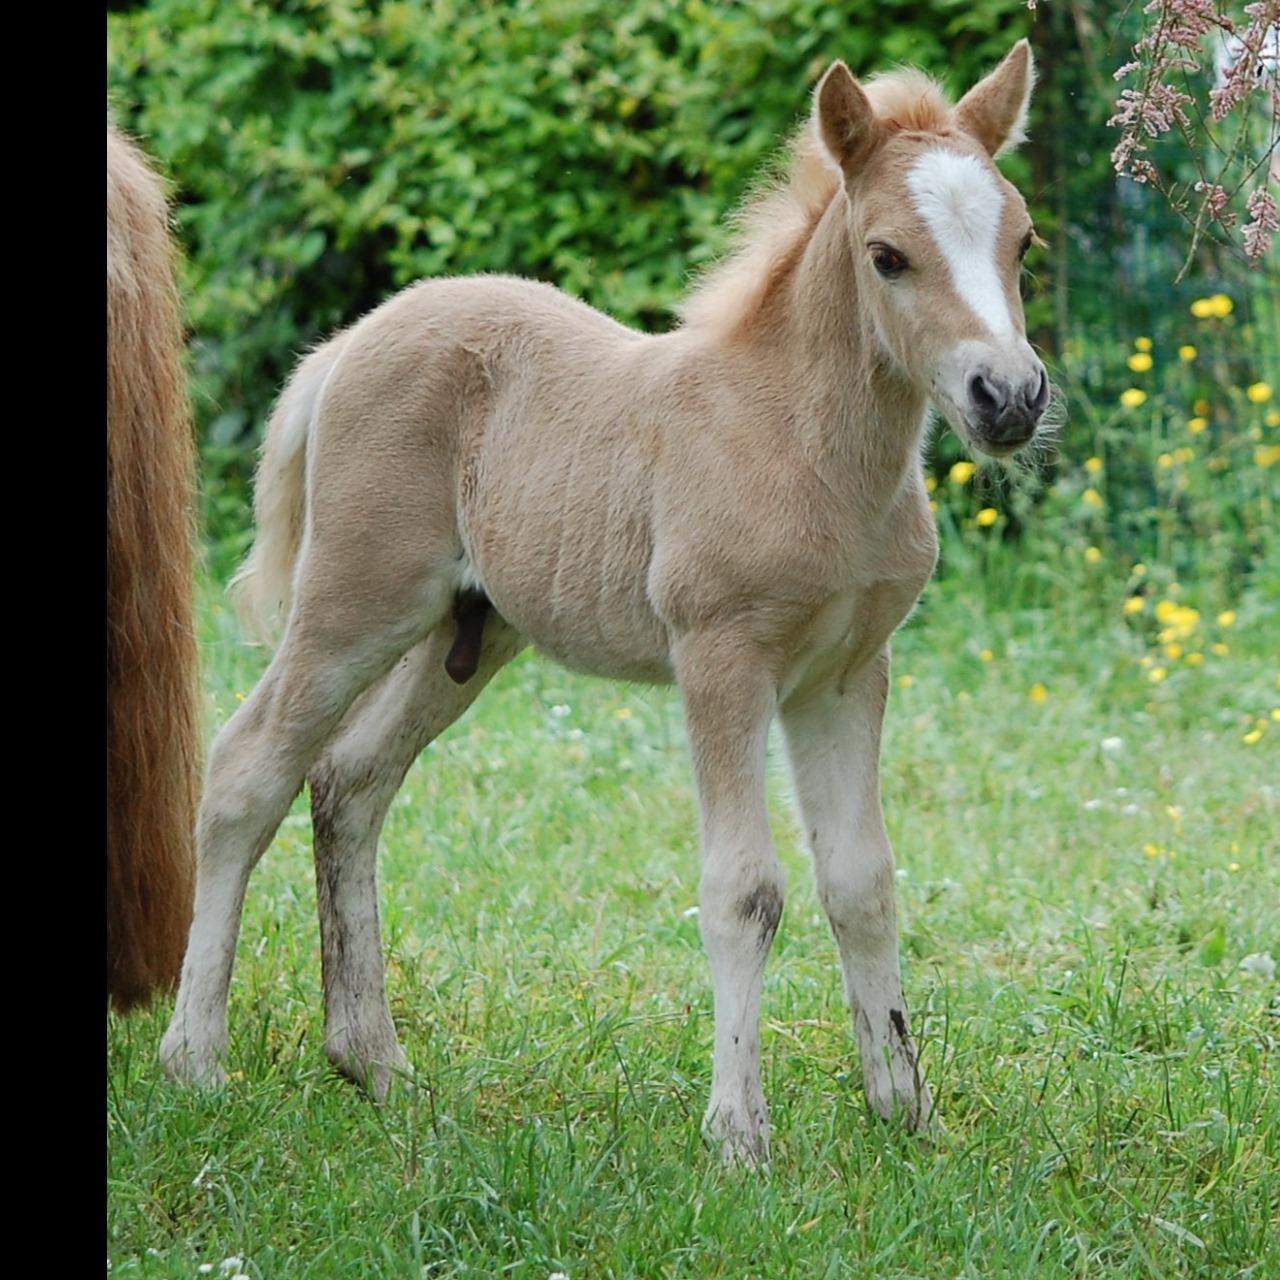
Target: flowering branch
1242	50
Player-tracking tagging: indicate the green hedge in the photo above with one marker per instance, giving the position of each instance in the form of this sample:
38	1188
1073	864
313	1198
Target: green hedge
327	152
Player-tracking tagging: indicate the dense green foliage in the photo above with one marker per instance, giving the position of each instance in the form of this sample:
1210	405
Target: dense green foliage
326	152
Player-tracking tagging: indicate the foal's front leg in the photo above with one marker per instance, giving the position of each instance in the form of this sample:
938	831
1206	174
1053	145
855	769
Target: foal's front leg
729	701
834	738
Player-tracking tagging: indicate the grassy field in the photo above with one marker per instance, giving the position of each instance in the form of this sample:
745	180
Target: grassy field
1089	892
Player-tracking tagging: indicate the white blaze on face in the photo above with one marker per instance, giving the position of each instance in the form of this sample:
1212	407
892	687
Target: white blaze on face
961	204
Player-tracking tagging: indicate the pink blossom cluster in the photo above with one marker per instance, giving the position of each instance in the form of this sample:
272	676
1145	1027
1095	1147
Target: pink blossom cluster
1242	46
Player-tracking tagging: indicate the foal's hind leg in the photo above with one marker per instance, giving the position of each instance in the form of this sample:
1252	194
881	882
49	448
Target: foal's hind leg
352	786
327	658
729	700
834	738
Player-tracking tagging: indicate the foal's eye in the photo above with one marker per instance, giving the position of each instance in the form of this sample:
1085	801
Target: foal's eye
888	262
1027	241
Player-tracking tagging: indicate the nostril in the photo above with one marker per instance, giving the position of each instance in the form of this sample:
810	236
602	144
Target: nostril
983	395
1038	402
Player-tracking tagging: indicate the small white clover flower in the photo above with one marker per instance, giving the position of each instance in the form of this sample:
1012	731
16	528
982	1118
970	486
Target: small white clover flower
1261	963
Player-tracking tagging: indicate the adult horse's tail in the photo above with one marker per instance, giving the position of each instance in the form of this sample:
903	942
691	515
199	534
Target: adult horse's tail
152	721
264	584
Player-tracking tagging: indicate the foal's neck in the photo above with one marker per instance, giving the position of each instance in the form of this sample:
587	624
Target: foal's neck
864	422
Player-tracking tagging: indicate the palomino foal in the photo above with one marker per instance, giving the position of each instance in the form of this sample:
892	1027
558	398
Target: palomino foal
737	506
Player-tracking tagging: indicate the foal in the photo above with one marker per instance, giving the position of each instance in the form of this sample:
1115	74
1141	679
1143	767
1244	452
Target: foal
737	506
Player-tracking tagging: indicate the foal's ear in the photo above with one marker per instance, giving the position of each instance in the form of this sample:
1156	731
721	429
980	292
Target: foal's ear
845	121
994	111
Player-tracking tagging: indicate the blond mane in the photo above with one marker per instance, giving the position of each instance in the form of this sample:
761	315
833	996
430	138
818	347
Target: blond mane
774	224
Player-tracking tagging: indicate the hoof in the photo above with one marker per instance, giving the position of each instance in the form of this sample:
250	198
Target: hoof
374	1072
199	1065
911	1106
742	1136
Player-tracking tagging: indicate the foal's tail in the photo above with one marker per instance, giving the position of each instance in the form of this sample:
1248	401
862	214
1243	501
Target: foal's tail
264	584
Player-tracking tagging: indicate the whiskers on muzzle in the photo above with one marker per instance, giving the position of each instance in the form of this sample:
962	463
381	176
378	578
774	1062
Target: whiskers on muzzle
1041	450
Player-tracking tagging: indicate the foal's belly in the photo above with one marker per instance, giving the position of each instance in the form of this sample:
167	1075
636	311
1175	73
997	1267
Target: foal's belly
572	577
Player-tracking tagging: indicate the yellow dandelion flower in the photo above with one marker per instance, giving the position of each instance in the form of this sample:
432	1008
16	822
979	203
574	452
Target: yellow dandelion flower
1220	650
1092	555
1221	305
1142	344
1183	454
1194	659
1273	418
1151	850
1165	610
905	682
1227	618
1202	308
1092	498
1156	674
1173	651
1259	393
1164	461
1146	662
1132	397
1093	465
1186	353
987	517
1233	866
1197	425
1134	604
1267	455
1252	736
1139	570
986	655
622	713
1201	407
1140	362
1275	713
1038	693
962	472
930	484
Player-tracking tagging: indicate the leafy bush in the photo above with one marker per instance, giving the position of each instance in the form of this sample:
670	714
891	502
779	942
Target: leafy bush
328	152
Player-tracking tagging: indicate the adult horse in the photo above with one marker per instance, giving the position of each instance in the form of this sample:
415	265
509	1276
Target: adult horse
737	506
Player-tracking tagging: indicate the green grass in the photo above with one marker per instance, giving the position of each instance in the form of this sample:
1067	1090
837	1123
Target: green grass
1082	869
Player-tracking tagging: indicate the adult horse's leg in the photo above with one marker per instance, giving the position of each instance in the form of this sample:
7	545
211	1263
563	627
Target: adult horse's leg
834	738
729	699
352	786
256	767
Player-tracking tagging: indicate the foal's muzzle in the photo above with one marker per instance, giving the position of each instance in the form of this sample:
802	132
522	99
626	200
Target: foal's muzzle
1005	411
